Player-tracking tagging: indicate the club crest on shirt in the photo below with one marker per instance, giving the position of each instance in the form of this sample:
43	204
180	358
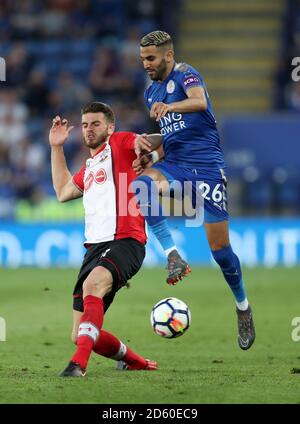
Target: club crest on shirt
170	87
104	155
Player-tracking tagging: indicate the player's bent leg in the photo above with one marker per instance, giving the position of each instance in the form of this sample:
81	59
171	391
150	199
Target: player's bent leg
146	188
95	287
123	268
111	347
218	239
161	181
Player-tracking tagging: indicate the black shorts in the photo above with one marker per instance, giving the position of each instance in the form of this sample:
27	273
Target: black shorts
123	258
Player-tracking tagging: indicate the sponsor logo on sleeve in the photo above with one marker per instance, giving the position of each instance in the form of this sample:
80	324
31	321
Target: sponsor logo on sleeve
191	80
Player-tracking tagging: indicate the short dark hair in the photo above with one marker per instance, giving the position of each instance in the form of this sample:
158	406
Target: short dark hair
158	39
95	107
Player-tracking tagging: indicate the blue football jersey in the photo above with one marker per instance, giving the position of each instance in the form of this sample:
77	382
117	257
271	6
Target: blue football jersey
189	139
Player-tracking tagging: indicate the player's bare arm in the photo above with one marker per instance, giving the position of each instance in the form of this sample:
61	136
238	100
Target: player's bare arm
62	179
145	143
195	102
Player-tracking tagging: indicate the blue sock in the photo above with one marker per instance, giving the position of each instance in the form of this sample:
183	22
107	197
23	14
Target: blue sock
147	196
231	268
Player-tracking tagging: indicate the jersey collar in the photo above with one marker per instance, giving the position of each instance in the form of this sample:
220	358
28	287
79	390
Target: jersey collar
100	150
171	74
102	147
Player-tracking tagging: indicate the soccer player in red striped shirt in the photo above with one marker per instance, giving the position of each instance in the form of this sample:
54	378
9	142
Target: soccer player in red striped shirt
115	239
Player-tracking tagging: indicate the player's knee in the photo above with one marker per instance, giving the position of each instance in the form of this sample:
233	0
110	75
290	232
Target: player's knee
151	173
149	183
97	287
142	185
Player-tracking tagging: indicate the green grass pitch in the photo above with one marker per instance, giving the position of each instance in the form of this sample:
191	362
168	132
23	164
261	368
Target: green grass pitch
205	365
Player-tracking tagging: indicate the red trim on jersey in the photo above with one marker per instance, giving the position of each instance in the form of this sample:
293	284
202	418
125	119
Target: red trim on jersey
122	147
78	179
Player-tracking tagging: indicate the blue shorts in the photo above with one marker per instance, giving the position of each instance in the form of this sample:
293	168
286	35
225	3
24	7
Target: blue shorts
205	187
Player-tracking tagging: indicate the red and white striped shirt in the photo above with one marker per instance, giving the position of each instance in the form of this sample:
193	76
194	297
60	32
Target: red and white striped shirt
104	182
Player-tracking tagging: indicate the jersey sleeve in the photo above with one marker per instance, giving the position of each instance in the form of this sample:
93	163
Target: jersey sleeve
128	140
78	179
190	78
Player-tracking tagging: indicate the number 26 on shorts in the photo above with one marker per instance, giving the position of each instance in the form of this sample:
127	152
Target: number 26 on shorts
217	195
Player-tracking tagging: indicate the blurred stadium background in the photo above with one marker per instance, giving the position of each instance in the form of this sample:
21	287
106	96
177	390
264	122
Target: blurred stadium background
61	54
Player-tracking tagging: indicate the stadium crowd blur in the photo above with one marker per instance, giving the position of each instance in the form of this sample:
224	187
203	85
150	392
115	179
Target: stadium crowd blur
61	54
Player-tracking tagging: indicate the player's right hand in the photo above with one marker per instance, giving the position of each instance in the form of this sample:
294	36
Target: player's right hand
141	163
142	144
59	131
160	109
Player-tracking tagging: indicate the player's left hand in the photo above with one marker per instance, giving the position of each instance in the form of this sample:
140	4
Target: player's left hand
159	109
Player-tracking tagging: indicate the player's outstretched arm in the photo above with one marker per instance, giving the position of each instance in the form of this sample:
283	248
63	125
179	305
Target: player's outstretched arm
62	179
195	102
146	143
155	140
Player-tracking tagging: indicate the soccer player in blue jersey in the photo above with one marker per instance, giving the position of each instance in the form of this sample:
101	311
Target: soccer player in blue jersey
178	100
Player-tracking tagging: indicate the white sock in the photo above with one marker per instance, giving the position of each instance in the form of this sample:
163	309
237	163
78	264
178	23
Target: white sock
167	251
242	306
121	352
